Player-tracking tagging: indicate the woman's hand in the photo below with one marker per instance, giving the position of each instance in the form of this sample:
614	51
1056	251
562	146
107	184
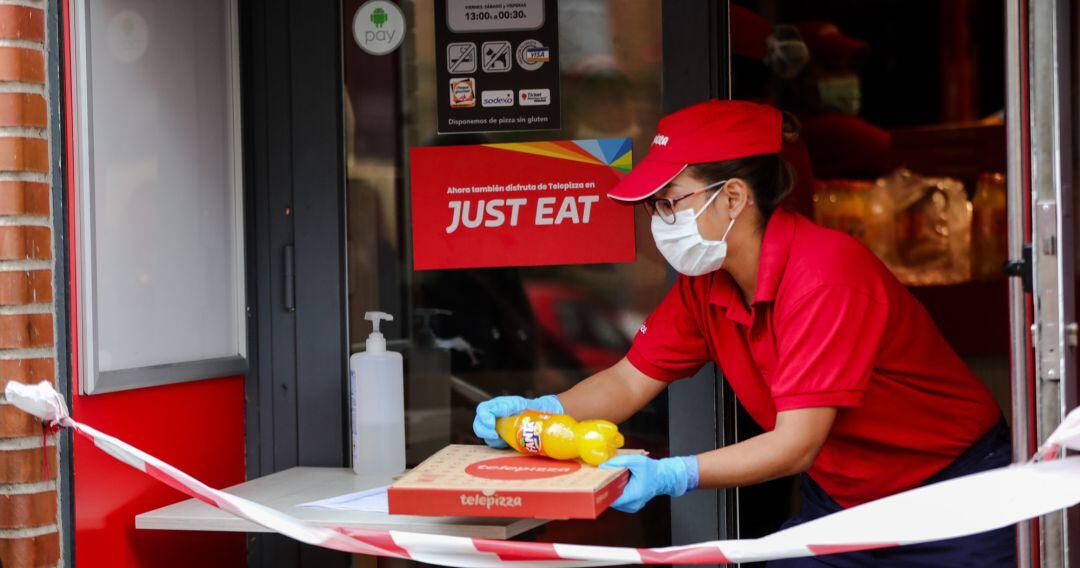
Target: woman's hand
489	411
649	478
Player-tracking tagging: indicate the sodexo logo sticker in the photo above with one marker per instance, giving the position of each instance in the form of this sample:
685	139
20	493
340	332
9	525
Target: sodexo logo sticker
497	98
379	27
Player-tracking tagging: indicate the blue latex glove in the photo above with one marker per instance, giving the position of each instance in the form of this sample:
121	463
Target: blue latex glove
649	478
503	406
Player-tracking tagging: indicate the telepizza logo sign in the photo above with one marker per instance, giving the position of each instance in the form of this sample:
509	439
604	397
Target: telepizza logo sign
521	467
522	204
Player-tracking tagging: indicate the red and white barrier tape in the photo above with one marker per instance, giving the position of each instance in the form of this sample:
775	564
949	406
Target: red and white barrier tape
950	509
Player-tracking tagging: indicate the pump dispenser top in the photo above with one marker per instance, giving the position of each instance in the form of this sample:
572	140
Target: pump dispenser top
376	343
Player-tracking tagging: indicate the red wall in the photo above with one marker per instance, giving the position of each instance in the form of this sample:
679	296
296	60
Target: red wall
197	427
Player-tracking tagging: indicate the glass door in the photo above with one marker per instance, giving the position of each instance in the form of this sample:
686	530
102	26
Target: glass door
470	334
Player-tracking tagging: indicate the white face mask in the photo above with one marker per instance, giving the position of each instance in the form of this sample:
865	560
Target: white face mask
683	246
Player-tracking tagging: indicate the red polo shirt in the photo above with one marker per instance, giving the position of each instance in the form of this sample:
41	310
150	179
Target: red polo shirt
829	326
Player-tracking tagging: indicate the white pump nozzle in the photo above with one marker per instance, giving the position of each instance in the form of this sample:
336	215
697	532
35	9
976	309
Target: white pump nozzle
376	343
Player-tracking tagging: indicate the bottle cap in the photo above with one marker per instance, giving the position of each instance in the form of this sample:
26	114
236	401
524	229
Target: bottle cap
376	343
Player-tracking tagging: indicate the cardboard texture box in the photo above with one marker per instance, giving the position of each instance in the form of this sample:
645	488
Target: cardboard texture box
478	481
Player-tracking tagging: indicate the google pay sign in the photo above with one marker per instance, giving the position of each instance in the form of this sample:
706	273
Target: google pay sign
520	204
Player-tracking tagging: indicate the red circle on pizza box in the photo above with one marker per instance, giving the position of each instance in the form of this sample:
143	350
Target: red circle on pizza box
521	467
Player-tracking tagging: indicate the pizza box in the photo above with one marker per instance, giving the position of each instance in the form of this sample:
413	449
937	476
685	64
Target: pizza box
478	481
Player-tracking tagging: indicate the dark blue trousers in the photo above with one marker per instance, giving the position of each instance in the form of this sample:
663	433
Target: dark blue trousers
991	549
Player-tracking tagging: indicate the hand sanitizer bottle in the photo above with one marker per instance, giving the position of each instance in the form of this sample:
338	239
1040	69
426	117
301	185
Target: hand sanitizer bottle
377	396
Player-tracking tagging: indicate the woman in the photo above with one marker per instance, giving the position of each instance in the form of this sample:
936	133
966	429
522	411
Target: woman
827	351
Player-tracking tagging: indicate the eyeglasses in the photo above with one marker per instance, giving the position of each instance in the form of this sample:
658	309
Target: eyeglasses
665	208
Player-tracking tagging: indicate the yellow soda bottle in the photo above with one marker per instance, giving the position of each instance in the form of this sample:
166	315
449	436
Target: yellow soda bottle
560	437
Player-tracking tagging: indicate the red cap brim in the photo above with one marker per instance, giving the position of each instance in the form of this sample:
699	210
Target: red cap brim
647	178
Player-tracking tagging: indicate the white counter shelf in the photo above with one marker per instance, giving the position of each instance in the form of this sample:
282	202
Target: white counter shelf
287	489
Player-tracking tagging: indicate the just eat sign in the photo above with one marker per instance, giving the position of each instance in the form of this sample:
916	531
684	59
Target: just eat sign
521	204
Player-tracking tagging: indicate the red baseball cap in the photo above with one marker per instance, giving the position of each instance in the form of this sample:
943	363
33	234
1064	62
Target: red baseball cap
712	131
748	33
830	46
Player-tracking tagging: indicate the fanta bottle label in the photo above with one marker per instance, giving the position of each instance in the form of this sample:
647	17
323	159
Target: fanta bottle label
529	435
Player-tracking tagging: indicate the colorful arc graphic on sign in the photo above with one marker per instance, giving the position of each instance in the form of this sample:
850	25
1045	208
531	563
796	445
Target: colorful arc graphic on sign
615	152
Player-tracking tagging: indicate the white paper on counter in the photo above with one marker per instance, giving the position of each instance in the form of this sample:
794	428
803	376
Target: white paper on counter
370	501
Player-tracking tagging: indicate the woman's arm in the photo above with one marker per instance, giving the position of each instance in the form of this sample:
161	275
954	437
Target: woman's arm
613	394
788	449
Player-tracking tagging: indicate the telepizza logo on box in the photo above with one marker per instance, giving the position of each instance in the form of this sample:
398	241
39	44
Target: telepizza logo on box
488	501
521	467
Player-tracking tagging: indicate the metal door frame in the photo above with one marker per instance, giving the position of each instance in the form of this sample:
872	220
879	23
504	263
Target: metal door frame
1053	267
1019	211
697	67
55	48
1041	170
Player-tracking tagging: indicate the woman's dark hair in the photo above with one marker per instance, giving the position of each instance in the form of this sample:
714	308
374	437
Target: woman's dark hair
770	177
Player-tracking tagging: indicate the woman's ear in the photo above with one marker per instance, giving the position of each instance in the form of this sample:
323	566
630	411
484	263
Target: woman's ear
738	196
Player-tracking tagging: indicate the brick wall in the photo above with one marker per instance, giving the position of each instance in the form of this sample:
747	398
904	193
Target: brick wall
29	533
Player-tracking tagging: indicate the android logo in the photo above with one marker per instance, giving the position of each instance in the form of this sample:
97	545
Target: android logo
379	17
378	26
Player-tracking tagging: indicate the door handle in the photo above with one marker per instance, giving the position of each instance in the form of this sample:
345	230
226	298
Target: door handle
290	279
1022	269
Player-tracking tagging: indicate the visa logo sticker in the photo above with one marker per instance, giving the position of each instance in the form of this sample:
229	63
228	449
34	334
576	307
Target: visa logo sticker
497	98
537	54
